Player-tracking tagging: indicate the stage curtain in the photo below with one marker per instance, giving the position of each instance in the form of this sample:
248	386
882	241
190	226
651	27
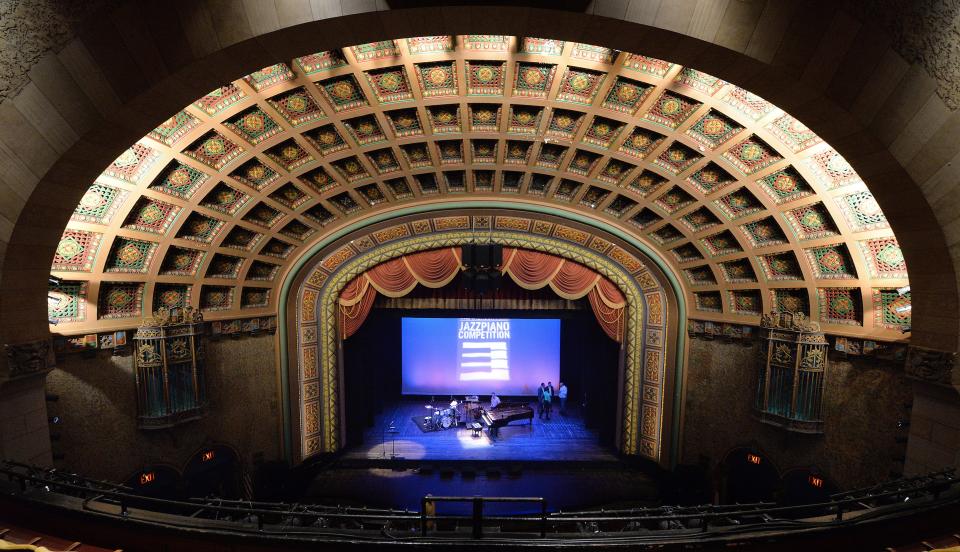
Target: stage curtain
356	300
570	280
610	318
392	278
529	269
611	294
573	280
435	268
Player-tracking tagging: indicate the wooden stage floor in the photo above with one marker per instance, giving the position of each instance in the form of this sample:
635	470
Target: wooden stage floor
562	438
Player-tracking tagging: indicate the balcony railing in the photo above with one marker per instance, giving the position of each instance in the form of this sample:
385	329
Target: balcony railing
666	524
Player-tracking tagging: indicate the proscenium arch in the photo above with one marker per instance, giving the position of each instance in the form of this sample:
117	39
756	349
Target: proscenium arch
661	349
136	111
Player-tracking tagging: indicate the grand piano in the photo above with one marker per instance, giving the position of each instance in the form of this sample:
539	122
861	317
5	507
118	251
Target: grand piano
504	414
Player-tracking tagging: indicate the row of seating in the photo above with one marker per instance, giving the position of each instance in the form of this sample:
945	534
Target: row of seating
946	543
17	538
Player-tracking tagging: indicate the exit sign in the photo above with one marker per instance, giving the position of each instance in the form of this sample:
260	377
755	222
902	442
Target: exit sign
753	459
147	477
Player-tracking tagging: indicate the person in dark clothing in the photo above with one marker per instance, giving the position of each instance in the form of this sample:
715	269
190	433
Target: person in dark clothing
548	400
562	395
540	400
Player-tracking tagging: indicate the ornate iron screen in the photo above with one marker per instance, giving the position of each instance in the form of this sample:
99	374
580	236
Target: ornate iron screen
791	372
169	369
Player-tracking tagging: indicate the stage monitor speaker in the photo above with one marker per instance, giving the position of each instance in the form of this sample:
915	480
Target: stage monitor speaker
486	281
481	255
496	254
468	278
481	267
495	278
482	283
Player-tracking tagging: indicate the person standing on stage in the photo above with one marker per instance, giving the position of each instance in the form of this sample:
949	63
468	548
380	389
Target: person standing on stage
540	400
548	400
494	401
562	394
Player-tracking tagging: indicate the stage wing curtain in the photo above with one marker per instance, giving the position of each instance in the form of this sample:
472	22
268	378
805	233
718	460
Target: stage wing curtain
356	300
609	306
529	269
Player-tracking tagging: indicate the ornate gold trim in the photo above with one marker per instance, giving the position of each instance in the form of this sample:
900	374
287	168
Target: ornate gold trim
316	324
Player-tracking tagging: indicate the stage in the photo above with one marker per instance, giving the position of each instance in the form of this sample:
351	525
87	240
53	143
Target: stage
560	460
560	439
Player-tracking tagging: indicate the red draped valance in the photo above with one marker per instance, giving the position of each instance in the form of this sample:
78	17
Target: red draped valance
529	269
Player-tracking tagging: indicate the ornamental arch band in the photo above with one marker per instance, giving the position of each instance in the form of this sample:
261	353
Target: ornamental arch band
647	407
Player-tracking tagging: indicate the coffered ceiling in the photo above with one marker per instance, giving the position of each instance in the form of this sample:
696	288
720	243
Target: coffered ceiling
751	209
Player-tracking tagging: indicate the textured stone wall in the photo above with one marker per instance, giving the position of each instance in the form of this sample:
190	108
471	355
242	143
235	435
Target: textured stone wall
921	31
99	436
31	28
23	431
934	429
862	403
925	32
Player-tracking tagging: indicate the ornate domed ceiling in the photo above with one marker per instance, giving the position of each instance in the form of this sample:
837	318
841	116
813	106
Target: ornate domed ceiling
749	207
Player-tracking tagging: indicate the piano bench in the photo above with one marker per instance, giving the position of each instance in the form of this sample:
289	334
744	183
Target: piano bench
477	428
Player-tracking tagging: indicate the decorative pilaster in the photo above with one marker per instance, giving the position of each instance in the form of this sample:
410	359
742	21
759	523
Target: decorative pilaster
24	433
932	366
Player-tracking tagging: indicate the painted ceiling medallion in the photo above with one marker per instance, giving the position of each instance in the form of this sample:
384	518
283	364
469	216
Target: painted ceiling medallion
297	106
173	129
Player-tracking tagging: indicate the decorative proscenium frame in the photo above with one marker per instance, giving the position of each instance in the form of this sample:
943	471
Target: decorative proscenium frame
644	381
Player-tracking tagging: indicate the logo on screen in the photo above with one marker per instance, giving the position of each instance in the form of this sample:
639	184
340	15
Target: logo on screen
483	349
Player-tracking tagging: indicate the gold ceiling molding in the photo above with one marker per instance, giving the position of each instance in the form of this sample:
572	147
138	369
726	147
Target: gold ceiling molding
751	209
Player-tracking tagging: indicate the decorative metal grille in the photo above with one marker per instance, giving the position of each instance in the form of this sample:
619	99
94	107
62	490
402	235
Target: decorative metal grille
170	368
791	372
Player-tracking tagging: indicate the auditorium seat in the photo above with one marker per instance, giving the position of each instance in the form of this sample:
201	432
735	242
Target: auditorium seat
951	543
946	543
16	538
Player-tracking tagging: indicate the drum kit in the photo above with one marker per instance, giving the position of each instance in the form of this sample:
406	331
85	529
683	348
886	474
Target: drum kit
442	418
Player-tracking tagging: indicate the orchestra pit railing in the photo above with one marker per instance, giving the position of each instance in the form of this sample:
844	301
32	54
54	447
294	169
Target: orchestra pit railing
309	522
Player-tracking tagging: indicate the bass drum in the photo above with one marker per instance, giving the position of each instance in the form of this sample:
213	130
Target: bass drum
446	422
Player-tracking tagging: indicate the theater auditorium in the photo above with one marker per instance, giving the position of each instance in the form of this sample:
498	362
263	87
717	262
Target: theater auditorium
301	274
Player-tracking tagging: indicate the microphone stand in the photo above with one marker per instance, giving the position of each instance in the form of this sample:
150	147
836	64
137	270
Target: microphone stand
393	439
383	443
